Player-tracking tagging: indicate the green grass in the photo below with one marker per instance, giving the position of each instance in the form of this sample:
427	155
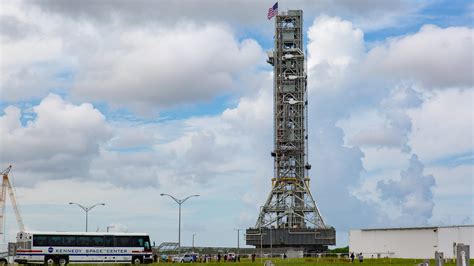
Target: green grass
321	262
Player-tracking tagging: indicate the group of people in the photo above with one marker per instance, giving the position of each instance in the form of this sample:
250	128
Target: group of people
359	256
228	257
205	258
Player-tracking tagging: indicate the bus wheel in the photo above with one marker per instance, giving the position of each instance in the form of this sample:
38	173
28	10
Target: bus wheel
49	261
136	260
62	261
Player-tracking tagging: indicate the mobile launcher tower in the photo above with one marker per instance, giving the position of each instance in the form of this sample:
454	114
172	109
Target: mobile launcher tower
290	218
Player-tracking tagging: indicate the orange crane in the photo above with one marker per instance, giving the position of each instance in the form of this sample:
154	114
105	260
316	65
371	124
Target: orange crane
3	196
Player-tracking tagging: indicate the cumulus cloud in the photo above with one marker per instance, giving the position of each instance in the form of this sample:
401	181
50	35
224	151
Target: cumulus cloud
453	183
369	14
133	137
444	125
59	142
395	133
140	68
334	47
215	146
335	42
336	168
165	67
337	171
412	193
346	81
434	57
29	67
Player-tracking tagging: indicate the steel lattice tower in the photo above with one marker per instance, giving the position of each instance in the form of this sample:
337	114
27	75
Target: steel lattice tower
290	208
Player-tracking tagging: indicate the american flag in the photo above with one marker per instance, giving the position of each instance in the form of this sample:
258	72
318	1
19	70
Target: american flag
272	11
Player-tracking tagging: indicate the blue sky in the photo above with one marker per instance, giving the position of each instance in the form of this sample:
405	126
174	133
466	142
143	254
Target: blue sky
119	102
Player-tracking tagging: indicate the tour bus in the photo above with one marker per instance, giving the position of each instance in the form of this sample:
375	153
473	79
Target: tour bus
69	247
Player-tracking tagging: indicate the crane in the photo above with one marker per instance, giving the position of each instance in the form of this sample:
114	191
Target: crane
6	185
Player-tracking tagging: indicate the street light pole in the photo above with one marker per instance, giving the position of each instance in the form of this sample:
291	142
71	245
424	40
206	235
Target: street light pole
179	201
238	240
86	210
193	241
179	230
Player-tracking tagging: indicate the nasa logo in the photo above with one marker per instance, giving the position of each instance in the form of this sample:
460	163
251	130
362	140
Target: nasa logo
50	249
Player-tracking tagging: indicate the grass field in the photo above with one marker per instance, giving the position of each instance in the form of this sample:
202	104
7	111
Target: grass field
325	261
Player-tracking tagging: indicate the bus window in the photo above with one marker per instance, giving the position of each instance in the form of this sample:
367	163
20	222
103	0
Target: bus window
137	241
40	240
69	241
147	243
55	241
96	241
109	241
82	241
122	241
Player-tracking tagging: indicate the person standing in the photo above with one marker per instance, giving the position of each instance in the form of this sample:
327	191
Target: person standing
253	257
352	257
361	258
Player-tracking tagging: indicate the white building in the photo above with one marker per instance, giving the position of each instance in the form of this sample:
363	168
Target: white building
414	242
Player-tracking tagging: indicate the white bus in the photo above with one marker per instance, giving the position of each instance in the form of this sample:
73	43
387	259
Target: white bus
69	247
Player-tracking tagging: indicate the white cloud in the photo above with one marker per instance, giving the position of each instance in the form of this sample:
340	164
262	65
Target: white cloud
394	133
453	194
443	126
133	136
59	142
375	106
434	57
334	47
166	66
334	41
142	68
234	163
32	58
369	14
384	158
412	194
453	181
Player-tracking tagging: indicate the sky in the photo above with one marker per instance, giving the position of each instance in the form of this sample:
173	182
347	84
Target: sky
119	101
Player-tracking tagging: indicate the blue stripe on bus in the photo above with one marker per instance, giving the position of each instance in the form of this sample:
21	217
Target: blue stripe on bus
100	261
46	254
74	261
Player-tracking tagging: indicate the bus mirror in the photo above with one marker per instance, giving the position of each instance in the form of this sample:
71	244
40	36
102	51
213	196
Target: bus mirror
153	243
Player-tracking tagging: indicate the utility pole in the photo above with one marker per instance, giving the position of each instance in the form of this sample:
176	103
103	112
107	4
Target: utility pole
238	240
193	241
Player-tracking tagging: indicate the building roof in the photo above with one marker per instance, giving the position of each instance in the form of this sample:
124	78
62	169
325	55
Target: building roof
83	233
414	228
